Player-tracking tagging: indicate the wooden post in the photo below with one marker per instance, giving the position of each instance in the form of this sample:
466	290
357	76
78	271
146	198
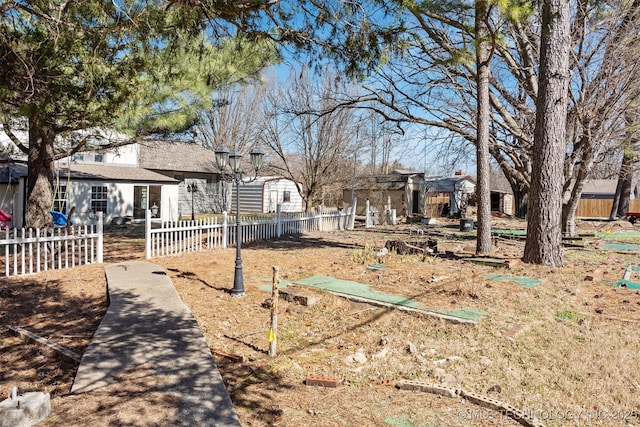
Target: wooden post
274	312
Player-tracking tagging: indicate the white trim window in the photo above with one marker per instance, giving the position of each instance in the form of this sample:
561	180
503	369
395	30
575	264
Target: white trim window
99	196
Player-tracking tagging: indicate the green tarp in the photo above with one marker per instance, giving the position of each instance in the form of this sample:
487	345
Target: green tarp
356	289
362	290
622	247
525	282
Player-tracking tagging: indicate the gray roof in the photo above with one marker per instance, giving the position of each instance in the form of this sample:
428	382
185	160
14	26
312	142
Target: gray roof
599	186
11	173
398	181
446	184
91	171
177	156
498	183
99	172
388	182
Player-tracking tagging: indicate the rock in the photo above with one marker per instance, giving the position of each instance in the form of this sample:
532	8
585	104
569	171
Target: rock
381	354
411	348
360	357
299	296
26	410
357	357
494	389
448	359
382	252
485	361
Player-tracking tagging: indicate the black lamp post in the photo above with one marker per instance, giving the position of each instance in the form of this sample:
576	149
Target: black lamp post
192	188
233	158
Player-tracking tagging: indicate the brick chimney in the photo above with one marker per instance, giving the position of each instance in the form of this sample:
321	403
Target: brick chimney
459	173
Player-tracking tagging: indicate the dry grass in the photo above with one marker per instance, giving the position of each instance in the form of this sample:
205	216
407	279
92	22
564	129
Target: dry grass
565	350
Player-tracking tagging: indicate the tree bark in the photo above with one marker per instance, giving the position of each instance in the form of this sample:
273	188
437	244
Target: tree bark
622	198
483	190
521	200
544	224
570	203
41	176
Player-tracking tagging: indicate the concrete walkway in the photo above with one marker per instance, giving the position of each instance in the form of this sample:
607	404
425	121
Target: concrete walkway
148	324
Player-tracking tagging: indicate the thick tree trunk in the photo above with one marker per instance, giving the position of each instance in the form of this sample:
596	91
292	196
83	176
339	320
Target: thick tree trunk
569	210
570	205
41	177
544	232
622	197
521	201
483	190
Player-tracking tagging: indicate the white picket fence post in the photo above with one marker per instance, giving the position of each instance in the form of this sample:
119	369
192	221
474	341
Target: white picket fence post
225	229
319	216
351	219
54	249
279	220
188	236
100	241
147	234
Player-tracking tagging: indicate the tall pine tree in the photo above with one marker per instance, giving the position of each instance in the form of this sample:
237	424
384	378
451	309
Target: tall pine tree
140	67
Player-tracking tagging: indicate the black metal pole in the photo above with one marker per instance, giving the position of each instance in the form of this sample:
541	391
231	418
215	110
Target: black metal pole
238	282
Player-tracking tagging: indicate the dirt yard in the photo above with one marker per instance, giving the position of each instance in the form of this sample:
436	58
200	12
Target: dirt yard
558	347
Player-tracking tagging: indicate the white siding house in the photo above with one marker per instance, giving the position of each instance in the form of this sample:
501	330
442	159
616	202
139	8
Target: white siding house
120	192
109	181
265	193
172	179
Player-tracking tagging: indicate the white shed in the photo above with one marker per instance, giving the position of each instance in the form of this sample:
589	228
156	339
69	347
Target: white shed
265	193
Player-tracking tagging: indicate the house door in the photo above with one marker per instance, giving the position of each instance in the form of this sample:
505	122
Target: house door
146	197
140	201
273	200
415	209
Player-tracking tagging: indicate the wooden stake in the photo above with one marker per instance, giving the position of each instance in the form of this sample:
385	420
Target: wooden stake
273	332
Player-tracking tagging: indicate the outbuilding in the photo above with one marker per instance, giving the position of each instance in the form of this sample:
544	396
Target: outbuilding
265	193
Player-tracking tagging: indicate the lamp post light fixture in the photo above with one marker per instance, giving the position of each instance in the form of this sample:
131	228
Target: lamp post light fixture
192	188
233	158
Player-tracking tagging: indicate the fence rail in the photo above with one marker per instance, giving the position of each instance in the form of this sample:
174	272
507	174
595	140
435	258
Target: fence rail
175	237
26	251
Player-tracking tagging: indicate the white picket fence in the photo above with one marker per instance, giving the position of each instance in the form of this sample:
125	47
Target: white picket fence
176	237
26	251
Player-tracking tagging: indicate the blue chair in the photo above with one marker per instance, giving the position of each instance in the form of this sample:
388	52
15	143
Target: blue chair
59	219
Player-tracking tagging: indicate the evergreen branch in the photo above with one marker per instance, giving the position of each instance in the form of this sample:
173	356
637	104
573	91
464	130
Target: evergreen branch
16	141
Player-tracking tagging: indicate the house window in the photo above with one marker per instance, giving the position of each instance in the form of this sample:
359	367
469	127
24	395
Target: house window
98	157
60	199
99	199
286	197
